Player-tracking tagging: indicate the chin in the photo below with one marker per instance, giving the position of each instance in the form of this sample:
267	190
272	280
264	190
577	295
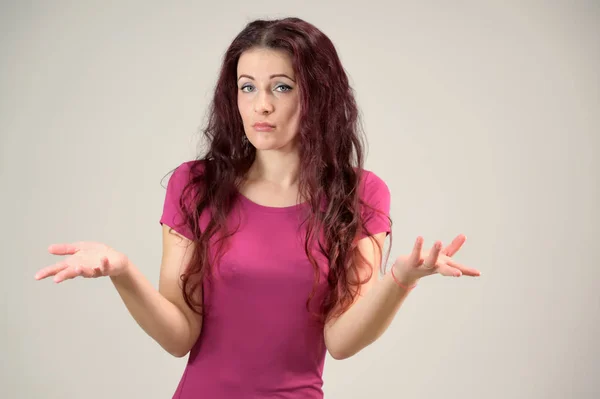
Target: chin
263	144
268	146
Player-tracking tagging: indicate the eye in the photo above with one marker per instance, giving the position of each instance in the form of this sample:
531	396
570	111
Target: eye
246	87
284	88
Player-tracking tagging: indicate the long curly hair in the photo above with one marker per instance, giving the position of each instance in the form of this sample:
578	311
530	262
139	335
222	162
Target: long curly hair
331	158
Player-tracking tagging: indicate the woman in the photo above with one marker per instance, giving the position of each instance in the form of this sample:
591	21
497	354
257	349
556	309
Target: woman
273	239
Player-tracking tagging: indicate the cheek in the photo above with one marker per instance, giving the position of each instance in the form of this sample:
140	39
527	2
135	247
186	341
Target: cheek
243	108
292	114
294	119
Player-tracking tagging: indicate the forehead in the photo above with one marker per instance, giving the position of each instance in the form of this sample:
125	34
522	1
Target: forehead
261	62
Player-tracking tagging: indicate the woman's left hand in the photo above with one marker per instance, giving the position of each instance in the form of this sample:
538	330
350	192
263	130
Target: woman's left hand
409	269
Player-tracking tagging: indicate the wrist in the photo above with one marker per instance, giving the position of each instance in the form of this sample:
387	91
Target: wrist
402	279
123	271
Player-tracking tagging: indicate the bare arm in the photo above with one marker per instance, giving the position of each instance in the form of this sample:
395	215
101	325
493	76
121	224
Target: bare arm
371	313
379	301
163	313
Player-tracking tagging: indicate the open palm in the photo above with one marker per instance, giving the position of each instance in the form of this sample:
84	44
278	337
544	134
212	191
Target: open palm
438	260
87	259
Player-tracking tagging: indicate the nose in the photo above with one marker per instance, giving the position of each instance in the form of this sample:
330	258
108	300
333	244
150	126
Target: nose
263	104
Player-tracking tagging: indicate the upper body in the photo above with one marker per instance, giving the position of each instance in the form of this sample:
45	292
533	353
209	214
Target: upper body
257	336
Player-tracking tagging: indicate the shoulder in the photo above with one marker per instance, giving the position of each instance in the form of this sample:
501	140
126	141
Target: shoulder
372	186
180	179
194	166
184	172
375	204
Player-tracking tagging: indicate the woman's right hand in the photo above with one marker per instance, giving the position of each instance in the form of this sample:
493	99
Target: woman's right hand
87	259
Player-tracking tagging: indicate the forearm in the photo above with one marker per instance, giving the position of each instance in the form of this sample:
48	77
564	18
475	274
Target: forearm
367	319
156	315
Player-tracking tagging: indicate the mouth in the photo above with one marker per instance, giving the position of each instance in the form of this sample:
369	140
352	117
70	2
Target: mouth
263	126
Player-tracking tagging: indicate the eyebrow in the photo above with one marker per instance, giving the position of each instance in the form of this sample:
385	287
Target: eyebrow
278	75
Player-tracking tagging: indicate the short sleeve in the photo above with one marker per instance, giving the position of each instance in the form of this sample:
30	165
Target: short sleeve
376	194
172	214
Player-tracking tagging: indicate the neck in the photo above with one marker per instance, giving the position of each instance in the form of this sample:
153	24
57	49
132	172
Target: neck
276	167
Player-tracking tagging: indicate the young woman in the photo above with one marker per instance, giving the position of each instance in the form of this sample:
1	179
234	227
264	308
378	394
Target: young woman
272	240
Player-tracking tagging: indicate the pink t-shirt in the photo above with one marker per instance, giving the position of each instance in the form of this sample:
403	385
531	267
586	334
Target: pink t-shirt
258	340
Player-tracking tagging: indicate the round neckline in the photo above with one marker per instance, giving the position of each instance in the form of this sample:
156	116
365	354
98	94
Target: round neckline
270	209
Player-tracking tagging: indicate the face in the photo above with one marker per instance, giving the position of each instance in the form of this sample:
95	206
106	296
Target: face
268	99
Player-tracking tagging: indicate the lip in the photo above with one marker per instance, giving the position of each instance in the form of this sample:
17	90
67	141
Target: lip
263	126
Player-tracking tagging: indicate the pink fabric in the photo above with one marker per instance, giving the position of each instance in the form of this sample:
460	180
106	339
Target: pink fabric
258	340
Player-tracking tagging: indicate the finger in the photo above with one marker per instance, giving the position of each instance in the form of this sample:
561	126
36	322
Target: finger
50	270
67	274
87	272
104	265
415	256
431	261
446	270
63	249
467	271
456	244
100	270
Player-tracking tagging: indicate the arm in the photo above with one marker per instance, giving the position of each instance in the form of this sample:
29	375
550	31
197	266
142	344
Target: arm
373	310
163	313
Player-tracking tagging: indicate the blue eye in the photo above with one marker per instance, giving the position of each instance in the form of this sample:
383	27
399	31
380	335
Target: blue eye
286	87
282	88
